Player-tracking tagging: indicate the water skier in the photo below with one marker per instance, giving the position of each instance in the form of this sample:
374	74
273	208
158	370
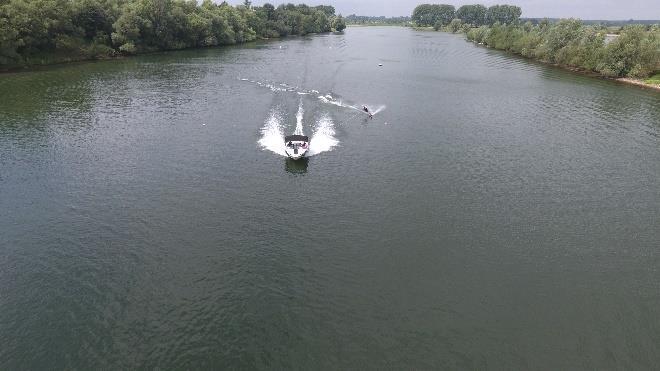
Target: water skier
365	109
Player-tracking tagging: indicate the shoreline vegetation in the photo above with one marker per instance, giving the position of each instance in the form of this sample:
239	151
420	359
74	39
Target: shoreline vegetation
45	32
359	20
628	54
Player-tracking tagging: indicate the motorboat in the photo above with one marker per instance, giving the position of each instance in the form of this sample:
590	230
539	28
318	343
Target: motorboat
296	146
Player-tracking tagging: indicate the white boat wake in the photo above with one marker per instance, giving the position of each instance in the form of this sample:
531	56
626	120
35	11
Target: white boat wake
299	120
272	134
272	138
323	139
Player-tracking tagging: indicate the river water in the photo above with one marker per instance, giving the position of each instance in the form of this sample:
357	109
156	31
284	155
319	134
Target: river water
494	214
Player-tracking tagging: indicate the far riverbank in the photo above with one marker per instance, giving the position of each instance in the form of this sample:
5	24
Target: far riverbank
652	83
623	80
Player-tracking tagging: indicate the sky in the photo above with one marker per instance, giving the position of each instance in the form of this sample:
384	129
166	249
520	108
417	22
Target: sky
583	9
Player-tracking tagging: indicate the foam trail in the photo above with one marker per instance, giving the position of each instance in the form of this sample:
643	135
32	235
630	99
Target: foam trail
272	138
323	139
284	87
328	99
299	119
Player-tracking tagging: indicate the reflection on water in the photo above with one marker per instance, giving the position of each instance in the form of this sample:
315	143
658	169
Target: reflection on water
28	97
296	166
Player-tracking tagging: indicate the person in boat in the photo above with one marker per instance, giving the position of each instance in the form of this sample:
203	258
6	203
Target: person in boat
367	111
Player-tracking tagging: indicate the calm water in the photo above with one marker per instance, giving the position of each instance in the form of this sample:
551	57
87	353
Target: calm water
495	214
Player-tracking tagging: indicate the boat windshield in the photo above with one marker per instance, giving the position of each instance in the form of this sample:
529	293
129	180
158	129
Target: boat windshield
297	145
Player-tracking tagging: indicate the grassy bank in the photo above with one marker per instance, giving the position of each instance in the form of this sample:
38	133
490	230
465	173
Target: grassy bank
653	80
638	82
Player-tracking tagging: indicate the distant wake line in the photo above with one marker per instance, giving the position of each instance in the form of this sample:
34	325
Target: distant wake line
328	99
281	87
339	103
272	134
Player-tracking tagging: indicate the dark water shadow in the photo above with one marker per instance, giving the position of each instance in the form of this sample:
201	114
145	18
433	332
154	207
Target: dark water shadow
296	166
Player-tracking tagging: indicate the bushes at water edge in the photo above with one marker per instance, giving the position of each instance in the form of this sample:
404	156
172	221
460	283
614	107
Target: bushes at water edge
47	31
634	53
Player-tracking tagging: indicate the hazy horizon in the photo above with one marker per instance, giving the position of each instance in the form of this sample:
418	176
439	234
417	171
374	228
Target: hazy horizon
583	9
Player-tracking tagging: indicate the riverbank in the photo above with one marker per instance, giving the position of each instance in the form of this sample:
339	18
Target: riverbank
630	58
637	82
655	79
54	60
651	83
71	31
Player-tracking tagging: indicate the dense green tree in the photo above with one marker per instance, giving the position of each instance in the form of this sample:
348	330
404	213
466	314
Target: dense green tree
267	12
328	10
472	14
30	28
635	52
422	15
479	35
455	25
92	17
559	36
338	23
381	20
42	31
430	14
504	14
446	13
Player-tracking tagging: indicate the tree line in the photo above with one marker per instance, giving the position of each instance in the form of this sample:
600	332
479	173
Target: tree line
375	21
440	15
634	52
46	31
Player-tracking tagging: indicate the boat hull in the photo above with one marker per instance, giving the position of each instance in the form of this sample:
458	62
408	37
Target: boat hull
296	154
296	146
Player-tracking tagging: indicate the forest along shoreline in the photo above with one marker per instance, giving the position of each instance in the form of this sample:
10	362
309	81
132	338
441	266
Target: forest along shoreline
46	32
628	53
